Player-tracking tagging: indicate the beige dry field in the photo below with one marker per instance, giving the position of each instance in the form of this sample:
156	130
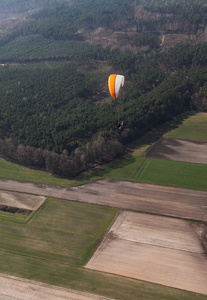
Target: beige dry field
20	200
158	249
177	202
179	150
13	288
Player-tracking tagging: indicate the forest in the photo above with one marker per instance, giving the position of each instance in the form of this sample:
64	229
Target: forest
55	110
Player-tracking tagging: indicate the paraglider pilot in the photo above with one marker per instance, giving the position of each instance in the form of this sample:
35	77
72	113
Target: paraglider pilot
119	125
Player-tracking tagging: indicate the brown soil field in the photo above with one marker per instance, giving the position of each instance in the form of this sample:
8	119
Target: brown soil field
20	200
158	249
177	202
13	288
179	150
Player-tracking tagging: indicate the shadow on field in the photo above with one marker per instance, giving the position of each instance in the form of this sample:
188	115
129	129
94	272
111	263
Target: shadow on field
102	171
158	132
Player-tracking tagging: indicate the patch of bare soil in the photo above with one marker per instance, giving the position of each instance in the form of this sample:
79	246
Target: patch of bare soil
201	229
158	249
178	150
13	201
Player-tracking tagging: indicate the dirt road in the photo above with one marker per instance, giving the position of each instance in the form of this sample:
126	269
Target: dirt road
13	288
177	202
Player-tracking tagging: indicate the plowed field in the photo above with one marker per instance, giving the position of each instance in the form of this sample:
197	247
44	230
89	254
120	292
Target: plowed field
153	248
179	150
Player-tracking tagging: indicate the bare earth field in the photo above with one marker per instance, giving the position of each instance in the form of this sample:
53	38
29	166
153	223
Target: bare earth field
20	200
177	202
158	249
13	288
179	150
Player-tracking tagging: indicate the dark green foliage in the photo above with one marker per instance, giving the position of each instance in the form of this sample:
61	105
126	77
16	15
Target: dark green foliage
16	6
184	55
184	16
60	109
54	110
60	20
46	108
150	40
36	48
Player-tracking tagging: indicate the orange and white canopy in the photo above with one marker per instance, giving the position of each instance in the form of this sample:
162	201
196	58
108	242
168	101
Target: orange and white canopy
115	82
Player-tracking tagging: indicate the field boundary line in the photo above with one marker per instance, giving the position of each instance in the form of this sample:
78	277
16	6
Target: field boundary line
143	166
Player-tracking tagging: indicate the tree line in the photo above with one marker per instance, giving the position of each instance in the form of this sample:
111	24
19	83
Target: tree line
92	154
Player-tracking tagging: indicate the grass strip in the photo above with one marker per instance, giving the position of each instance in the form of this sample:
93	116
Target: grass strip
112	286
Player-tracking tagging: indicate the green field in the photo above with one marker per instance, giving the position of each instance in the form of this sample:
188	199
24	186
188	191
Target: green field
17	218
60	231
55	243
193	128
13	171
174	173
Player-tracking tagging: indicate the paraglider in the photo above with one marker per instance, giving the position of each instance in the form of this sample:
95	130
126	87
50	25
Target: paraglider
115	83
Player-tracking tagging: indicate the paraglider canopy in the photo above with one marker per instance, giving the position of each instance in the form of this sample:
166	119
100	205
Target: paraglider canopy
115	82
